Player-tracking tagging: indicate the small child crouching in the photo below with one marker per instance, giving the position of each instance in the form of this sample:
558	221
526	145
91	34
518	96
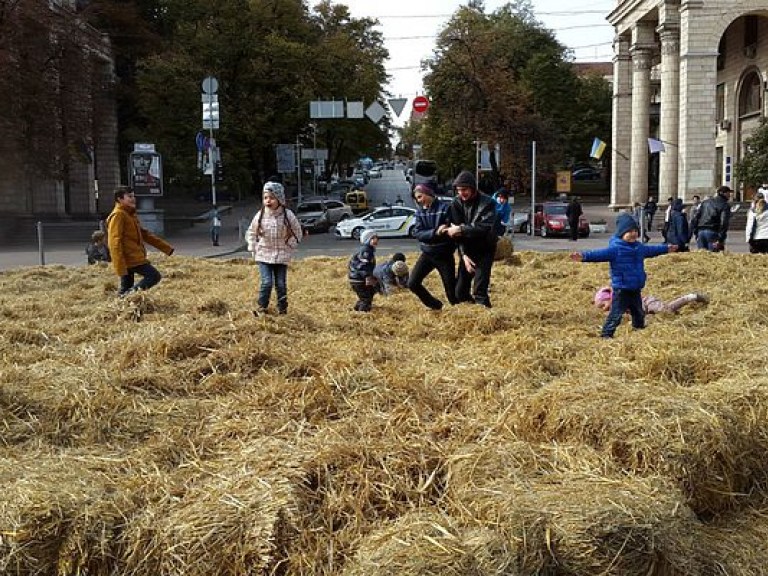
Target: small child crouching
361	267
391	275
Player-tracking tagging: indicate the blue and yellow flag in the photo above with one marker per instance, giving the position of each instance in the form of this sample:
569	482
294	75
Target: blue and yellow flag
598	147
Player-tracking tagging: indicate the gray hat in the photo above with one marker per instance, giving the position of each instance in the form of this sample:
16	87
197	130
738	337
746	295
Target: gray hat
367	236
465	179
277	190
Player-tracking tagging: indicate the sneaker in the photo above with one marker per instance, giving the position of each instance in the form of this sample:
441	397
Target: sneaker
258	313
703	298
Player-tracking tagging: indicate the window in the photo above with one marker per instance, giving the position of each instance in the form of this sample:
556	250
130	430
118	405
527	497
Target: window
334	204
750	100
750	30
310	207
720	103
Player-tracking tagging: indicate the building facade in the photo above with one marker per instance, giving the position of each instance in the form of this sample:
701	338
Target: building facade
691	74
58	127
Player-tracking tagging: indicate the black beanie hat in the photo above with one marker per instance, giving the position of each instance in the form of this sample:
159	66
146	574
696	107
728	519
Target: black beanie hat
465	178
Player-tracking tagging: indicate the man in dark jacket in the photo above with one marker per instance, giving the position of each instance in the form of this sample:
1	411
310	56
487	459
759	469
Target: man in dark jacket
432	220
473	220
573	213
710	223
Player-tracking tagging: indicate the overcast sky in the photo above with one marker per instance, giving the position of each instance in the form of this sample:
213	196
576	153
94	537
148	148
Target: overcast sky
410	27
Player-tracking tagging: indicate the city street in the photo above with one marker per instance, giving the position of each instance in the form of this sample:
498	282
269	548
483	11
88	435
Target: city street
195	242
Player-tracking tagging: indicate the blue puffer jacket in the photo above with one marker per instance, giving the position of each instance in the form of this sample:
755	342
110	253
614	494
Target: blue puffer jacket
626	260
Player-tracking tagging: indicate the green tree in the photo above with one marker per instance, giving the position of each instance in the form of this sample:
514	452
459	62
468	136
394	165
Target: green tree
752	170
503	78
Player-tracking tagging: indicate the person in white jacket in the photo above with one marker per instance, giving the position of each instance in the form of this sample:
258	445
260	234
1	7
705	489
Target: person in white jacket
757	225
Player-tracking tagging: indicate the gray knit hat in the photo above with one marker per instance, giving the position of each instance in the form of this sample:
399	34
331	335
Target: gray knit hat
277	190
367	236
465	179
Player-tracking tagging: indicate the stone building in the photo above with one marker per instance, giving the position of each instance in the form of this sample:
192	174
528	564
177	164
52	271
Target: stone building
58	128
693	75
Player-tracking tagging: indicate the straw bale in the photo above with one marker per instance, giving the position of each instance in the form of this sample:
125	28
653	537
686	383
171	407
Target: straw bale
348	425
714	455
429	542
504	250
567	509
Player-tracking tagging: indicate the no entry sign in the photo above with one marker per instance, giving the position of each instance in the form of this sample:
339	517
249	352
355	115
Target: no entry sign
420	104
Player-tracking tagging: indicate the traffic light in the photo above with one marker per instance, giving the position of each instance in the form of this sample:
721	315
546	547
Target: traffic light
218	171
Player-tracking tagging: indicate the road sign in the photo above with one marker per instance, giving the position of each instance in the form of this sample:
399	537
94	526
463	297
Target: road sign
375	112
397	105
420	104
210	85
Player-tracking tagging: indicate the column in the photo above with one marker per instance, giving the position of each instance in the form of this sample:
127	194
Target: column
670	110
641	101
621	131
698	79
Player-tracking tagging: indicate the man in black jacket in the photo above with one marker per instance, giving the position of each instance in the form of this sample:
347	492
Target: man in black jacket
710	223
473	221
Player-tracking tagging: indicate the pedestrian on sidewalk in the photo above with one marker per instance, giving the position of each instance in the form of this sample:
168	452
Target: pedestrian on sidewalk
710	223
757	226
272	237
126	240
573	213
215	225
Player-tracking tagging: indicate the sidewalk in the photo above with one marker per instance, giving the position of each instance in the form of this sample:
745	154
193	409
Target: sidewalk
195	242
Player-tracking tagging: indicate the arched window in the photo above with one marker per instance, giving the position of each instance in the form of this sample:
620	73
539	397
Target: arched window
750	98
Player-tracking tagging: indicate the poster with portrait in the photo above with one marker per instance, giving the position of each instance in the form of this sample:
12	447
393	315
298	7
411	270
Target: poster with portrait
145	173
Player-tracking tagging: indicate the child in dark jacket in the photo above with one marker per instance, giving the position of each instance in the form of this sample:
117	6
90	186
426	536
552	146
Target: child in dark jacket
678	232
361	267
626	257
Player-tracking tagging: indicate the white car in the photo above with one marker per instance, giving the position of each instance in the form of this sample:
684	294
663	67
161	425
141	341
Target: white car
388	221
375	172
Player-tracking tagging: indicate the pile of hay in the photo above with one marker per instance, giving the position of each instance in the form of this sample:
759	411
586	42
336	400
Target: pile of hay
173	433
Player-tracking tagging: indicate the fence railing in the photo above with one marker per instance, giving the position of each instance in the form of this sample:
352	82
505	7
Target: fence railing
41	228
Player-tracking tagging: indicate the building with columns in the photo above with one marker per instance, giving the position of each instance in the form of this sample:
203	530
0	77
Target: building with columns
692	74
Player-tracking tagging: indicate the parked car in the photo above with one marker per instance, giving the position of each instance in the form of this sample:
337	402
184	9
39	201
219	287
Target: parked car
520	221
387	221
550	220
375	172
587	174
319	214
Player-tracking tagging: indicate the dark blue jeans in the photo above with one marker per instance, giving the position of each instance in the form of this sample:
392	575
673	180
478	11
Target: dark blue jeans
273	275
707	239
624	300
150	277
446	267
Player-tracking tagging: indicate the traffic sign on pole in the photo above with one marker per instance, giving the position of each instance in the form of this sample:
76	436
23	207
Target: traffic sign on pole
420	104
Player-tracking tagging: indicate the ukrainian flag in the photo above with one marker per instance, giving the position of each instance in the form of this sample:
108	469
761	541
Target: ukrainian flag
598	147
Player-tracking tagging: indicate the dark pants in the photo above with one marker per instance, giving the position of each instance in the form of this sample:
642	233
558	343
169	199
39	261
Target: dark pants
481	277
758	246
624	300
150	277
364	296
273	275
215	235
574	230
446	267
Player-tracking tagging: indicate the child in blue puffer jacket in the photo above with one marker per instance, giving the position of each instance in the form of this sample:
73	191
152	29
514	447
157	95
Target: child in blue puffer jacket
627	263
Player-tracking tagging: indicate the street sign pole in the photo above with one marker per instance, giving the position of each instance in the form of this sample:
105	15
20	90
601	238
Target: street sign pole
532	219
210	87
298	167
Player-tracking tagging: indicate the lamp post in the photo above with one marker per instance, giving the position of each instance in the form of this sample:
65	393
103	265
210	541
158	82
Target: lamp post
314	157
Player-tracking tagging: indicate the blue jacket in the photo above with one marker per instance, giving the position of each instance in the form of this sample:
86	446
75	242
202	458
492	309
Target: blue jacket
428	220
626	261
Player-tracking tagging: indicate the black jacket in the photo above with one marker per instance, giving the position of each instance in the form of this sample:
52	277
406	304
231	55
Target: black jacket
477	219
714	214
678	232
428	220
573	212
